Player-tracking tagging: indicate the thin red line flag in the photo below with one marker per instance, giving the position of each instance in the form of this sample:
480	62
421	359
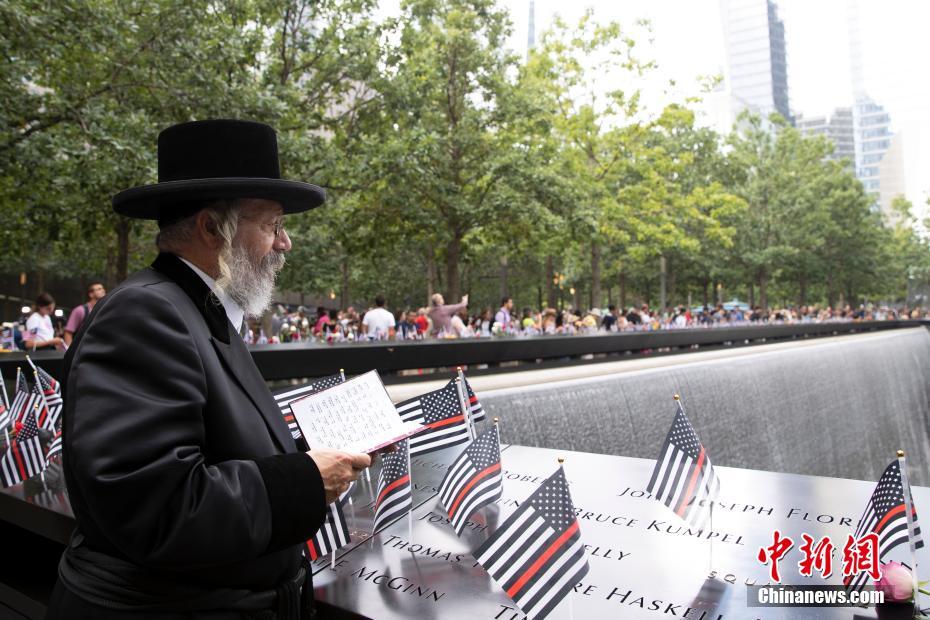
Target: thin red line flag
334	533
441	412
537	555
885	515
684	478
286	396
474	405
23	458
395	497
473	480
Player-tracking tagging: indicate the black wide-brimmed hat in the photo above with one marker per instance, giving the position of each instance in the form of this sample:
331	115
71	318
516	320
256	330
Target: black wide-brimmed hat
209	160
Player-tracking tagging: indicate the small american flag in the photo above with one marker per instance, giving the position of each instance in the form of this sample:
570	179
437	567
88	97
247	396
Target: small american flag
536	555
6	416
23	458
394	490
684	477
474	406
885	515
54	448
473	480
22	398
286	396
47	416
334	533
50	387
441	412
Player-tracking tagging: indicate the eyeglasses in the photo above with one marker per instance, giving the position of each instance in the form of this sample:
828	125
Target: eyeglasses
276	225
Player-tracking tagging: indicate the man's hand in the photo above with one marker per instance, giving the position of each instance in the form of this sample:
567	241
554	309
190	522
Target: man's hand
465	299
338	469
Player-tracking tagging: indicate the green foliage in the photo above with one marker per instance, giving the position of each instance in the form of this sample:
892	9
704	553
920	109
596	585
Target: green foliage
451	165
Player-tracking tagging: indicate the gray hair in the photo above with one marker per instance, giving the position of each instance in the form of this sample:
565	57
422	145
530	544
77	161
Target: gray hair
225	216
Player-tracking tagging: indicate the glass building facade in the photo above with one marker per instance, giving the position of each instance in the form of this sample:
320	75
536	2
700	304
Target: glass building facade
757	65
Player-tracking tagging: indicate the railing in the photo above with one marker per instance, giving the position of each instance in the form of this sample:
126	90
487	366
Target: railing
296	360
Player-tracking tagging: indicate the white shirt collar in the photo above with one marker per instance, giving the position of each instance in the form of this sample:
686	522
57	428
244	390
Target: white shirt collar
234	313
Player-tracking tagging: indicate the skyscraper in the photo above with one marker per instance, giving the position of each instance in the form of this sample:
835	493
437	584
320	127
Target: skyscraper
872	129
531	29
838	129
873	139
756	72
843	134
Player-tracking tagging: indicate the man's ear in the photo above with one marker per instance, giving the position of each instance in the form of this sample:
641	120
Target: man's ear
206	231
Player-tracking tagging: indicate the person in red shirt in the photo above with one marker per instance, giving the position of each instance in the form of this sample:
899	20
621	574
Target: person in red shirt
422	321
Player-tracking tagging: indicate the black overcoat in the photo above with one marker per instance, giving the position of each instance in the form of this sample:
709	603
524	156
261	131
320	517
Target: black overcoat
175	455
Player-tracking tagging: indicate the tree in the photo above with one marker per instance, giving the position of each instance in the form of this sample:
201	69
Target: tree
775	166
445	153
90	84
572	63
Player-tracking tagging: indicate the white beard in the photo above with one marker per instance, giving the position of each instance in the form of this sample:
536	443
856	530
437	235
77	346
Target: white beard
251	283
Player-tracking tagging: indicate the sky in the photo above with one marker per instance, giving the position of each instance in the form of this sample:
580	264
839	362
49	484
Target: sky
688	42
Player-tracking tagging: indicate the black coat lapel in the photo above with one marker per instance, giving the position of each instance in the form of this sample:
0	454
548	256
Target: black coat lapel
232	351
239	362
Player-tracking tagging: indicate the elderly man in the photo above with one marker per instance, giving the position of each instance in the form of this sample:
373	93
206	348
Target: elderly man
190	496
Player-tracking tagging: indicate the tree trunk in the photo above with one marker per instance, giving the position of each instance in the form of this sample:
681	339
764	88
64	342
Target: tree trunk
551	298
463	279
344	284
763	289
595	276
503	277
802	290
706	291
663	285
123	228
453	251
622	283
109	273
831	291
752	295
672	282
430	276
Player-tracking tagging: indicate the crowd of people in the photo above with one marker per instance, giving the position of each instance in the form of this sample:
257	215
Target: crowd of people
44	328
442	320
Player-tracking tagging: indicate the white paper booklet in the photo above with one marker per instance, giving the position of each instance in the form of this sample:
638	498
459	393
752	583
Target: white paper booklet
355	416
